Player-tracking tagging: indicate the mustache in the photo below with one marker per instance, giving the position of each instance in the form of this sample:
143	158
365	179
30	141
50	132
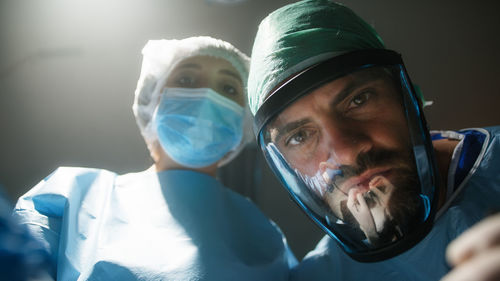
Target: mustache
372	159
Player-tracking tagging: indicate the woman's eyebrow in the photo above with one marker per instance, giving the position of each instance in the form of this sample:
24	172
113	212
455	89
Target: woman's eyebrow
231	73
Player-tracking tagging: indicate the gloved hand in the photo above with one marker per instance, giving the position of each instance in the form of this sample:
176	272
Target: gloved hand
475	254
22	258
372	219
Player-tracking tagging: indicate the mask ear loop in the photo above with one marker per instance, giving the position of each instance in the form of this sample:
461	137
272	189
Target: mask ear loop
331	183
331	186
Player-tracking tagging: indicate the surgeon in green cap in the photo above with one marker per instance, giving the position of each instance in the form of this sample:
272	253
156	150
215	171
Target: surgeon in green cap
341	125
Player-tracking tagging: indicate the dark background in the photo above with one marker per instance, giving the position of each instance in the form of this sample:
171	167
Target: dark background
68	71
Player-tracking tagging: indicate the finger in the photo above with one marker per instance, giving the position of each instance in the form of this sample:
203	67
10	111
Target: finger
483	267
379	196
483	235
378	192
378	182
362	203
364	217
351	201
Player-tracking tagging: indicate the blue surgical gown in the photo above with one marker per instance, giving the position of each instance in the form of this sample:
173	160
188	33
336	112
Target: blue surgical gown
170	225
477	195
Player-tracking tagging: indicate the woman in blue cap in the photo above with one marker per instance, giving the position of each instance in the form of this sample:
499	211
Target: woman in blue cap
174	221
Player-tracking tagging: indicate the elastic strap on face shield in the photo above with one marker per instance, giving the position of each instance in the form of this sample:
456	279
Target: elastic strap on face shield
317	75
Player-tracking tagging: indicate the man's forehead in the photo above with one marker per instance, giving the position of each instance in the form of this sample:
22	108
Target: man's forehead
353	80
306	106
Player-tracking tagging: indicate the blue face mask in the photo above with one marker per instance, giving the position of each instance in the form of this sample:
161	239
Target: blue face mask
197	127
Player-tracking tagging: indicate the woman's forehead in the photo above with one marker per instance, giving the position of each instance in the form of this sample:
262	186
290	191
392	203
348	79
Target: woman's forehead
209	63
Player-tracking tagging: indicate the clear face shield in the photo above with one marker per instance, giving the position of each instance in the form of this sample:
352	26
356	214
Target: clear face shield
353	150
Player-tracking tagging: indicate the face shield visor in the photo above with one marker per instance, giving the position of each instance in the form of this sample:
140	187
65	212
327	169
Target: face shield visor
348	140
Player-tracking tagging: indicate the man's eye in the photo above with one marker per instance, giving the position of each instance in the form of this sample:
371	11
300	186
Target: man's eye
360	99
297	138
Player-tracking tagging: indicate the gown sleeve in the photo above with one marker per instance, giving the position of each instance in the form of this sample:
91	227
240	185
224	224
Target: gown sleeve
46	209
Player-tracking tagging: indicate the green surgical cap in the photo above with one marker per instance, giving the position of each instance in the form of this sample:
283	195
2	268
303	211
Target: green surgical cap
300	35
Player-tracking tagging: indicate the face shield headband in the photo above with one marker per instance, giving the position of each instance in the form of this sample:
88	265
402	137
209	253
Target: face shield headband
348	140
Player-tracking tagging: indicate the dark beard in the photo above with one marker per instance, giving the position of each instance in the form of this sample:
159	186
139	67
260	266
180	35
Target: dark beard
404	204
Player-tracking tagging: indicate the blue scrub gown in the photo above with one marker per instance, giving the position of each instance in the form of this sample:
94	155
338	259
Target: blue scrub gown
171	225
475	194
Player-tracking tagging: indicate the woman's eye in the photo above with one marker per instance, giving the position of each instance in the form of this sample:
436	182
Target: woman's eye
230	90
185	81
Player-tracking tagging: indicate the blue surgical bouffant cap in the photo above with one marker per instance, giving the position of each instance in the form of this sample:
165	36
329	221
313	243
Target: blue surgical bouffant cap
299	35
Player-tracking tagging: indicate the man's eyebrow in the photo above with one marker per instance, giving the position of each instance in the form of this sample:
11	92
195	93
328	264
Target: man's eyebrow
357	82
288	127
231	73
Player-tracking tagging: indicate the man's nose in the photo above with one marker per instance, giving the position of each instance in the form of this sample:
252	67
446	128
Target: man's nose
346	139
